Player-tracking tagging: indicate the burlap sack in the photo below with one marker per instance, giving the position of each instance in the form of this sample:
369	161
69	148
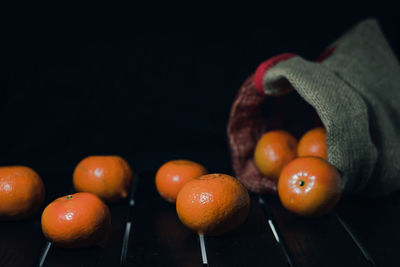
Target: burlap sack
355	90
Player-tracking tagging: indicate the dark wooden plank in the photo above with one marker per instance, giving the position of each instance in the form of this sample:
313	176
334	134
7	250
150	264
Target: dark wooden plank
375	223
315	242
109	255
158	238
251	244
21	242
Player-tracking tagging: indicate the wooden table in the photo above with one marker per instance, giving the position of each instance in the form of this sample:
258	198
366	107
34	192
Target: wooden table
147	232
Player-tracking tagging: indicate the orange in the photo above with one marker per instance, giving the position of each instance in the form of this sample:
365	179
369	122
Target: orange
109	177
172	175
21	192
273	151
76	221
313	143
213	204
309	186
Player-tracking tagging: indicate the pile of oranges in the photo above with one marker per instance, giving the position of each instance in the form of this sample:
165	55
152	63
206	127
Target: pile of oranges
76	220
307	184
210	204
213	204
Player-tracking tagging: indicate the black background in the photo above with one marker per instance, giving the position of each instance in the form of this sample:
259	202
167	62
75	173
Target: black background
150	83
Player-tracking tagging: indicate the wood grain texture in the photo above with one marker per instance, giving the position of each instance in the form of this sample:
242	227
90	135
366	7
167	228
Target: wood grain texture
315	242
21	242
158	238
251	244
375	223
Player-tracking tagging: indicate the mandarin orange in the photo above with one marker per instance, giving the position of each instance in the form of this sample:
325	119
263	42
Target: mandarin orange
313	143
213	204
76	221
109	177
273	151
172	175
21	192
309	187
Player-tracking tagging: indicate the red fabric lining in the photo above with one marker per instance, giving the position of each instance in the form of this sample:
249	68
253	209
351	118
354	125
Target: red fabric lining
324	55
265	66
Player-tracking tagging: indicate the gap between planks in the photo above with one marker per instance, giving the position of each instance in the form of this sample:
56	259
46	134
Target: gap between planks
355	239
280	241
127	233
275	231
203	250
128	224
44	254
